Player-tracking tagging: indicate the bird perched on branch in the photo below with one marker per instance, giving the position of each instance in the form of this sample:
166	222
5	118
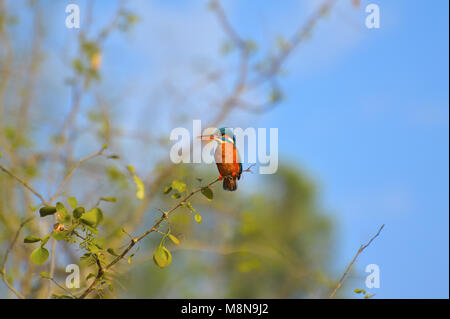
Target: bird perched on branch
226	157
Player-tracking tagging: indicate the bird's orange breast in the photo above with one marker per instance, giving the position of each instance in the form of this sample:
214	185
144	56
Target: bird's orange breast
227	159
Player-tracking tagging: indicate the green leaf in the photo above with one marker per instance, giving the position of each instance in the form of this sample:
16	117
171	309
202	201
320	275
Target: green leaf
94	249
168	254
78	65
47	210
31	239
175	240
72	202
140	187
62	211
60	208
189	205
140	193
179	186
45	239
175	195
198	218
358	291
112	252
99	213
78	212
45	275
162	257
59	236
92	217
131	169
208	193
87	259
91	275
89	219
90	48
167	189
108	199
39	255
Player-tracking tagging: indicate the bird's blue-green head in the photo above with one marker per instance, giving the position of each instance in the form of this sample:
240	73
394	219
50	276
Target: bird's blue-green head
222	135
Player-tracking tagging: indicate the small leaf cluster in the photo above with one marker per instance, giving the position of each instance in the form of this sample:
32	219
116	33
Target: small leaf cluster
79	226
364	292
178	187
88	64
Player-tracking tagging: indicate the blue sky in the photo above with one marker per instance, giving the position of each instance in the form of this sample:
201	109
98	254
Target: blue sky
373	128
366	114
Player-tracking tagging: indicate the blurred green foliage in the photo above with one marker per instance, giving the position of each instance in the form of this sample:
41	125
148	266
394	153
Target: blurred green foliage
271	241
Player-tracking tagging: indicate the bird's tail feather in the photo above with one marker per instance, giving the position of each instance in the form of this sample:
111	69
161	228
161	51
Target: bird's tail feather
229	184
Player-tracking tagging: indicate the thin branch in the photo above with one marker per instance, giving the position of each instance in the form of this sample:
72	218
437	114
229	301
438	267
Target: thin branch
301	34
69	174
60	286
24	183
360	250
61	186
135	240
223	20
52	263
5	259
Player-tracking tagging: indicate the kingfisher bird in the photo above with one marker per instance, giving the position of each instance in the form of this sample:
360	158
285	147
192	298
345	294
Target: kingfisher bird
226	157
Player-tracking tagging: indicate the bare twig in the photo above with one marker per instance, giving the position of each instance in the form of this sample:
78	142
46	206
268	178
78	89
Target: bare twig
5	259
69	174
52	280
24	183
228	28
301	34
360	250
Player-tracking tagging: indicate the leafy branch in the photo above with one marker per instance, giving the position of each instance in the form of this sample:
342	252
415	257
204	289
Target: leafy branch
165	215
40	254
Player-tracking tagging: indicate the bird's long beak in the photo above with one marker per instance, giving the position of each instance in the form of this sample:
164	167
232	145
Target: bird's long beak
206	137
